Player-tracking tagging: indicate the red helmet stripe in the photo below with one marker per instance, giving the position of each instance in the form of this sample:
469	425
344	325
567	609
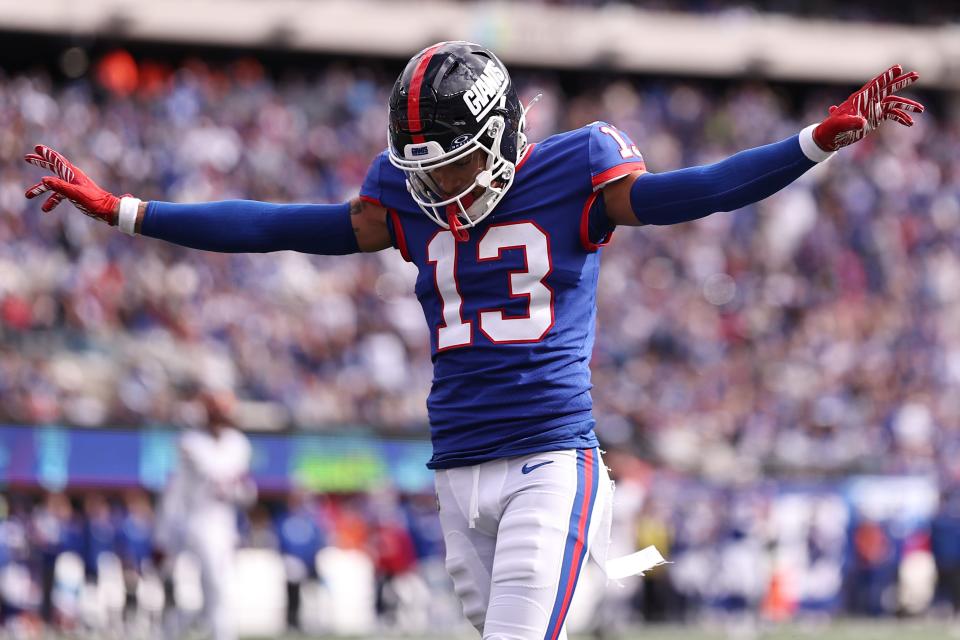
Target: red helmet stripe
413	98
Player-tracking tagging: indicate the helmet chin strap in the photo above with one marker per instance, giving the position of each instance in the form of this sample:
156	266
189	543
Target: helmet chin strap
456	227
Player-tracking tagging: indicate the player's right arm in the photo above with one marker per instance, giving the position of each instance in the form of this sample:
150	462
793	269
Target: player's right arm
232	226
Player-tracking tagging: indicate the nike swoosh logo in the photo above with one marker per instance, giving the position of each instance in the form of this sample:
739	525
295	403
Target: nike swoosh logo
527	468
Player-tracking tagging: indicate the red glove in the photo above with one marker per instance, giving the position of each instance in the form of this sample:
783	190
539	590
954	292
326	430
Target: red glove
863	111
72	184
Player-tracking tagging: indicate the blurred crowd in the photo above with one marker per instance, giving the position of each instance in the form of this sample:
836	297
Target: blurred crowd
353	564
90	561
816	332
927	12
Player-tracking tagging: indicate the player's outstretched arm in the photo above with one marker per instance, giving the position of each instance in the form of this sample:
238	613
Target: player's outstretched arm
232	226
754	174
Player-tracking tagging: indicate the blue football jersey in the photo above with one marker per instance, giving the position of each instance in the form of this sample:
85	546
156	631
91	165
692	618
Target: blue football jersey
512	309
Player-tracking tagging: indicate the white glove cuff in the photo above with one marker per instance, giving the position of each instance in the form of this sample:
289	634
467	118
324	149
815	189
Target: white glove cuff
127	218
810	148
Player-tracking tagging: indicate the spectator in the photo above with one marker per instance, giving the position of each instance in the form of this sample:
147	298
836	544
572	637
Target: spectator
301	538
394	556
100	533
945	543
135	542
874	568
55	529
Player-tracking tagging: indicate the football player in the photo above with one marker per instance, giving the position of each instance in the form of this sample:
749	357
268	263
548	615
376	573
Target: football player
198	509
506	235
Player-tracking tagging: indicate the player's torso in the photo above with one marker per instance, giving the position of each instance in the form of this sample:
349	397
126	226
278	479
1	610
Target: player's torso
511	309
504	284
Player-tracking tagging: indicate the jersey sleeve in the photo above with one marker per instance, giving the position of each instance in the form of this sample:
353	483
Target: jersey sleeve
371	190
612	155
375	190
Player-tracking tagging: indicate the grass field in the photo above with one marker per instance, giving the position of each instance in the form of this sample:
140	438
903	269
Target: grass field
844	630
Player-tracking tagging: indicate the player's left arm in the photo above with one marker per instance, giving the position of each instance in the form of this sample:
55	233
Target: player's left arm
752	175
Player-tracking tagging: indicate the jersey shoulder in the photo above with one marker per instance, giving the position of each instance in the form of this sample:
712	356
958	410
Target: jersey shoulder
599	148
385	184
568	145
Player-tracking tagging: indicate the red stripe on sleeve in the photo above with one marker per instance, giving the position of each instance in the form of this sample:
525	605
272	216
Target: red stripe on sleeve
588	244
398	233
617	172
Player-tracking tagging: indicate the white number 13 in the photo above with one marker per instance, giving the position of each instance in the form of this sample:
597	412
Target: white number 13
529	283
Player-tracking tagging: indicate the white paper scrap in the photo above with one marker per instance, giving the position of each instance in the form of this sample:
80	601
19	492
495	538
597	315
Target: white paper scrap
634	563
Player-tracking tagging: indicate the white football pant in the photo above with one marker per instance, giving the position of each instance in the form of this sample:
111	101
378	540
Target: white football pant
518	532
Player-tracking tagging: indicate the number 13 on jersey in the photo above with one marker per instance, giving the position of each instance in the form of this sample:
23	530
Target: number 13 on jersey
455	330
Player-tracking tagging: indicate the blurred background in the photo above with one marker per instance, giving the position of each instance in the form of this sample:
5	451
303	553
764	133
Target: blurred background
776	388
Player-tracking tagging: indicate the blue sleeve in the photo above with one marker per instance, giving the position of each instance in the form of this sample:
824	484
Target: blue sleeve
611	154
386	186
741	179
242	226
371	187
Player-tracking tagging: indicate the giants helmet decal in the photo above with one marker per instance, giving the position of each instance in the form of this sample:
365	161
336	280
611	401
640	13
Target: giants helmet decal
455	99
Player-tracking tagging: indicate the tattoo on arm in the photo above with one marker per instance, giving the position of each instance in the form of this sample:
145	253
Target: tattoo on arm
356	208
369	222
